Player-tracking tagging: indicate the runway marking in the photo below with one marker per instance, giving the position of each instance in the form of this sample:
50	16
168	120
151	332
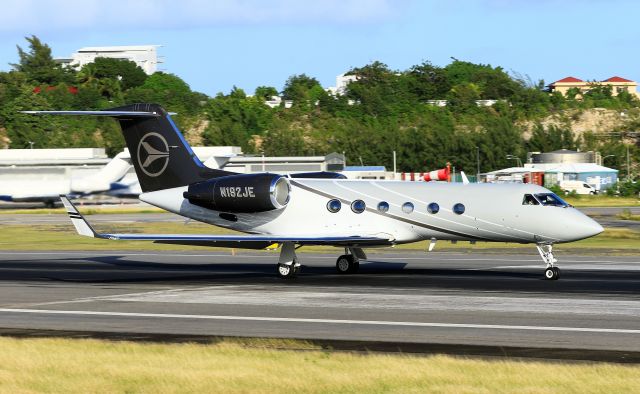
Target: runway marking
324	321
312	298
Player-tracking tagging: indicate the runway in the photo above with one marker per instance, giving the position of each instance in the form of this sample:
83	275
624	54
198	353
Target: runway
414	299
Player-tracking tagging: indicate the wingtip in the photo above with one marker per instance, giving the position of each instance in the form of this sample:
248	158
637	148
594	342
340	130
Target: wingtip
67	204
78	221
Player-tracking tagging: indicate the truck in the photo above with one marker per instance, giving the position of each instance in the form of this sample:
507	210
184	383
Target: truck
579	187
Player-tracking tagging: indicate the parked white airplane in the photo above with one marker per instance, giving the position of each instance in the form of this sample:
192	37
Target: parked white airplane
321	209
48	191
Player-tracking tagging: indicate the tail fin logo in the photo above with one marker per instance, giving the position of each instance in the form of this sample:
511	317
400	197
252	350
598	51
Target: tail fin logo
153	154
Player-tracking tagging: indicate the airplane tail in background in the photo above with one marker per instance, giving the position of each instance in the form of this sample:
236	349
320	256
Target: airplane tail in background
160	155
101	181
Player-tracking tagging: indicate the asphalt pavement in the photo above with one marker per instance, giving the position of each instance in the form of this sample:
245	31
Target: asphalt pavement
493	303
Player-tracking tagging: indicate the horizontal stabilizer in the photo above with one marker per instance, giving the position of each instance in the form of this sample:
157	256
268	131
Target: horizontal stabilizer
115	114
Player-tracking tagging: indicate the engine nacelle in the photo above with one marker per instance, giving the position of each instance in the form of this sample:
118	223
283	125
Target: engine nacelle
242	193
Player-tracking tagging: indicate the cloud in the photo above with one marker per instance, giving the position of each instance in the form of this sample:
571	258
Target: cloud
70	15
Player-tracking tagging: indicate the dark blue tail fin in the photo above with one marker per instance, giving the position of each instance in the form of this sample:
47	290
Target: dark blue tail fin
160	155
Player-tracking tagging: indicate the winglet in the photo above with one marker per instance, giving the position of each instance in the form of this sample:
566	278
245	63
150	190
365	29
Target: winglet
79	222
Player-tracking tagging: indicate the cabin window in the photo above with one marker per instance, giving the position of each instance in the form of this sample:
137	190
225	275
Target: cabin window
334	206
358	206
383	206
433	208
407	207
529	200
550	199
458	209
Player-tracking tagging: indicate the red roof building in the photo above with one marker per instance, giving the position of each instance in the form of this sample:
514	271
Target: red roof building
617	79
618	85
568	79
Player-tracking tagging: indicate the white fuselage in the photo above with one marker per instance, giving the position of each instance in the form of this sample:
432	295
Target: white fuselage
493	212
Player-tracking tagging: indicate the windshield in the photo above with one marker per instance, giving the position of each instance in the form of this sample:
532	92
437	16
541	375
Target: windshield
551	199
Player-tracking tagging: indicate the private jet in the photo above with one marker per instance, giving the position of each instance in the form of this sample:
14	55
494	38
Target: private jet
47	190
324	208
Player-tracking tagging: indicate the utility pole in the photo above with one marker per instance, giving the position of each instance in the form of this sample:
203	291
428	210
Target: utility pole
394	164
628	165
477	164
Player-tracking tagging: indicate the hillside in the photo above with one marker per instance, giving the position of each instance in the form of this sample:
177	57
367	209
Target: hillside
581	121
381	111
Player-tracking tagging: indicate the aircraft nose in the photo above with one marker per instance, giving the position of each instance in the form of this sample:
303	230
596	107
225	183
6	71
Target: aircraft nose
593	227
588	228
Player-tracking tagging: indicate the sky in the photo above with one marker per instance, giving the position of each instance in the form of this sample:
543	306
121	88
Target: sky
217	44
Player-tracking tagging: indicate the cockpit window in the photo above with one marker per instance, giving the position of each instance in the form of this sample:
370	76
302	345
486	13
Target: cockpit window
529	200
551	199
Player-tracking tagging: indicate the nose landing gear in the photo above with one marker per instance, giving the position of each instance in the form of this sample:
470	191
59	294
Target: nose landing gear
546	252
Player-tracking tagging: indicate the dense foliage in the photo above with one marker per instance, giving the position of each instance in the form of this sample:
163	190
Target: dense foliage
383	111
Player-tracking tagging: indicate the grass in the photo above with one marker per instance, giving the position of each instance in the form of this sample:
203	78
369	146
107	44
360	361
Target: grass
627	215
102	209
64	237
93	366
601	200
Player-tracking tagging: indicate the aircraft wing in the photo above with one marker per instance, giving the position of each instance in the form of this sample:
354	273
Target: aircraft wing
249	241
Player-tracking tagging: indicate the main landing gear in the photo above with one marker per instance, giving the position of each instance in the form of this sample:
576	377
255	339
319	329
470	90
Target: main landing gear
288	265
349	263
546	252
288	271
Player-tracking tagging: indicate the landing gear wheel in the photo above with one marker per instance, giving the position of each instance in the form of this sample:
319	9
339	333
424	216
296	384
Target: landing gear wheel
288	271
347	264
552	273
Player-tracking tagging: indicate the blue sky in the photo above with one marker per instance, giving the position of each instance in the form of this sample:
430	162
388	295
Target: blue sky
216	44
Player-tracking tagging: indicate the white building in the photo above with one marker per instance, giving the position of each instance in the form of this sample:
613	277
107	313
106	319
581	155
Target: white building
145	56
280	164
342	81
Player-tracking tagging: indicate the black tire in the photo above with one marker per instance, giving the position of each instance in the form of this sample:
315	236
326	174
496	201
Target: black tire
344	264
552	273
287	271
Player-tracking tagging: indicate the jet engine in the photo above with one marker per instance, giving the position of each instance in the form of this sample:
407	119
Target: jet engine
242	193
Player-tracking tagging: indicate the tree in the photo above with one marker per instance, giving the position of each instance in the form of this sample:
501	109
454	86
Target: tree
265	92
125	71
376	89
90	78
494	83
462	97
168	90
38	64
235	118
428	82
550	139
297	88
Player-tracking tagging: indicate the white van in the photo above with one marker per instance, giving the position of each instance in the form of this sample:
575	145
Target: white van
579	187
